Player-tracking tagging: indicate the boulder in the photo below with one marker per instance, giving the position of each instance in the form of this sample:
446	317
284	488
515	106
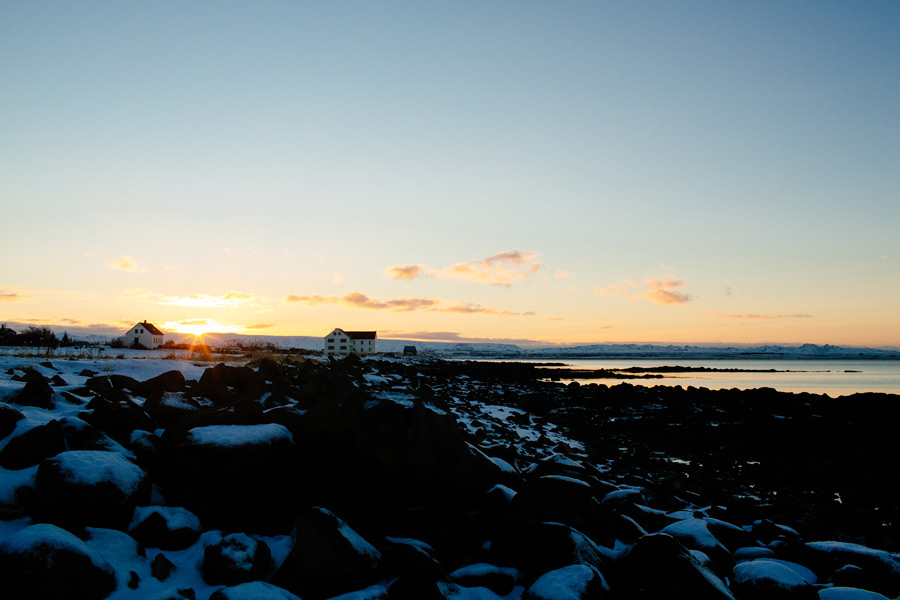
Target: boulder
658	566
117	418
164	527
170	381
33	446
223	383
764	579
328	558
37	392
881	569
233	477
694	534
574	582
167	408
9	417
89	488
499	580
46	562
536	548
236	558
258	590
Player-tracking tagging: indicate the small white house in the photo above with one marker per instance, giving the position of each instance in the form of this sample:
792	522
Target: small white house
351	342
146	334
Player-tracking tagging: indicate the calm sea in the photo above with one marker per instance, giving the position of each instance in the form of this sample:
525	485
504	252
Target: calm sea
832	377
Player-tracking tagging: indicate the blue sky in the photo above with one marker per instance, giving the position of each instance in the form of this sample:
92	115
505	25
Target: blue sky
742	157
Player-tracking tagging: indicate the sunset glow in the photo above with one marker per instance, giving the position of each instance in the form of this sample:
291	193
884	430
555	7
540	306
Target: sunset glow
478	172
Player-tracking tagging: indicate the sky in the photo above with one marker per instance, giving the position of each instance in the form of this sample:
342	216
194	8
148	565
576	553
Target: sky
526	172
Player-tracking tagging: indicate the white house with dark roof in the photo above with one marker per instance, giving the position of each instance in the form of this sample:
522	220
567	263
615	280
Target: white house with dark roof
351	342
146	334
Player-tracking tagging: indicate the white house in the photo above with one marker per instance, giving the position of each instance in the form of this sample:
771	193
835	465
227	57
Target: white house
146	334
351	342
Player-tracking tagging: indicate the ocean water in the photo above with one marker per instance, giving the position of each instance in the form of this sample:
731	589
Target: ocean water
832	377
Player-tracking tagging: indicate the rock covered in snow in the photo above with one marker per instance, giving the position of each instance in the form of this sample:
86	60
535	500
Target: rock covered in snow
164	527
254	590
574	582
236	558
328	558
45	562
89	487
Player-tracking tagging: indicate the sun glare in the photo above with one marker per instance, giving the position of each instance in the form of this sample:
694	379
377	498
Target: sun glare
200	327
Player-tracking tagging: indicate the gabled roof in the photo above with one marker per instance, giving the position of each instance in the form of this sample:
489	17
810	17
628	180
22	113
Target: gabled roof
362	335
150	327
357	335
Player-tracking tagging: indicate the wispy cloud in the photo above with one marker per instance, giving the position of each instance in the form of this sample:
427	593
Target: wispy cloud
10	297
360	300
257	326
752	316
664	290
126	263
406	272
505	269
560	274
337	279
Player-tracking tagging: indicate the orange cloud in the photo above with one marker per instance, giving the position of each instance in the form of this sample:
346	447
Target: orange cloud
661	290
764	317
10	297
259	326
505	268
405	272
360	300
126	263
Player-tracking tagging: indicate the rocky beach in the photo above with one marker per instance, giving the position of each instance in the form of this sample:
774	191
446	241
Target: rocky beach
419	478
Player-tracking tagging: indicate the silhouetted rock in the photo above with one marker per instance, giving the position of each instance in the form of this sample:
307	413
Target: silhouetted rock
328	558
258	590
9	417
658	566
170	381
93	488
37	392
33	446
236	558
45	562
164	527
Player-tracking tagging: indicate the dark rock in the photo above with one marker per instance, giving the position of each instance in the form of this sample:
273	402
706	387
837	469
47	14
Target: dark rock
167	408
764	579
57	381
565	500
87	373
409	558
45	562
164	527
98	384
499	580
33	446
49	365
234	477
37	392
880	568
117	418
81	435
71	398
694	534
658	566
575	582
9	417
161	567
224	383
124	382
89	488
170	381
537	548
236	558
258	590
328	558
134	580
